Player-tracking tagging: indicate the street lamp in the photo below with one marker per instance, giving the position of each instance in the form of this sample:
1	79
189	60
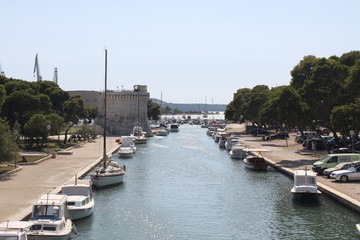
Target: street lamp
352	132
48	127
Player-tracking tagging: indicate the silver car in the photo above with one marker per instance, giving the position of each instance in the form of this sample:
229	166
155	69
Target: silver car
350	174
340	166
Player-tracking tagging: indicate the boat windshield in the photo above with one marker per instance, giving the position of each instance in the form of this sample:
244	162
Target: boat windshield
46	211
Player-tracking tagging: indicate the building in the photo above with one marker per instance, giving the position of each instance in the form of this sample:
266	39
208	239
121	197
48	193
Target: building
125	108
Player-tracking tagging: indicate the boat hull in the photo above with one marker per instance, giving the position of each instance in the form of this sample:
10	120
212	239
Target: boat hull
255	163
80	213
100	180
305	196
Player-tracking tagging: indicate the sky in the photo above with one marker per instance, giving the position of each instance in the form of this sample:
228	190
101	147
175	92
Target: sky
189	51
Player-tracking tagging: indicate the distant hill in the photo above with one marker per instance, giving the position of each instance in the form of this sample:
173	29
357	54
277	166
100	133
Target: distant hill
192	107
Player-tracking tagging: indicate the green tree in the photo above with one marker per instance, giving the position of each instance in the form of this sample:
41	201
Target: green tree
153	110
91	112
346	117
36	129
73	111
9	151
2	96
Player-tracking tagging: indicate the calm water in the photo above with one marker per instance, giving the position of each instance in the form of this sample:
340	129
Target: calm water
184	187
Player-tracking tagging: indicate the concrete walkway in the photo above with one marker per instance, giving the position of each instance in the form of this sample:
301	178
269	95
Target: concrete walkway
21	189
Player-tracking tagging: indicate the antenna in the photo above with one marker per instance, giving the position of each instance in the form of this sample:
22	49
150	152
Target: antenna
55	75
37	69
2	73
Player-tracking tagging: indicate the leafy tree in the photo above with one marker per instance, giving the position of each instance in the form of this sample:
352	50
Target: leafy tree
86	132
2	96
91	112
73	111
153	110
9	151
36	128
346	117
352	83
284	106
349	59
252	106
167	109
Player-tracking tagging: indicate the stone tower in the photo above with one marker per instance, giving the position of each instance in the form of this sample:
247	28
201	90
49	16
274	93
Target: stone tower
124	110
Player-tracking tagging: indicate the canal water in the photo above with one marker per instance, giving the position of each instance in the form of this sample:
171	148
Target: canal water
183	187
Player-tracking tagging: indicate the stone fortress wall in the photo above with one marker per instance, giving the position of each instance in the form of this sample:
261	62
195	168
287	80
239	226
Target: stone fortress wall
125	109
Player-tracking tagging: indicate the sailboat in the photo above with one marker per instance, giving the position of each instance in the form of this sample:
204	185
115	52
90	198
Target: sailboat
108	172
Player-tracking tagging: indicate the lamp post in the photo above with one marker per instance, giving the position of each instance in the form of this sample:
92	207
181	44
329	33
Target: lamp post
15	132
48	127
352	132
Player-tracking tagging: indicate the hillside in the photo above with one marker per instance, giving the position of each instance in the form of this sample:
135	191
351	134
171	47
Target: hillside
192	107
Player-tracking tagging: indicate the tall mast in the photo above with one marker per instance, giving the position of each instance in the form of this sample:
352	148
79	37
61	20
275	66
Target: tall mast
105	96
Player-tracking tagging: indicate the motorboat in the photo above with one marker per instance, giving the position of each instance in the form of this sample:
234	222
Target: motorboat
125	152
222	140
305	185
139	135
14	230
174	127
238	151
108	172
162	132
256	162
80	201
230	142
50	219
128	141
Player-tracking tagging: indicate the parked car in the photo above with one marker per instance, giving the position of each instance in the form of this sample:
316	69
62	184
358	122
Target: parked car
331	160
314	144
257	131
340	166
279	135
302	137
350	174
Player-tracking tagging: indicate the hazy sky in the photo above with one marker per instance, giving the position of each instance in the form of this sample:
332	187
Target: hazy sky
188	50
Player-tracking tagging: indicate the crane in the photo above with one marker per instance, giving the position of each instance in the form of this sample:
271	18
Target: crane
2	73
55	79
37	69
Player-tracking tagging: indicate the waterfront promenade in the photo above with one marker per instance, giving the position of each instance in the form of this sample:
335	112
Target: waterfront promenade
287	156
21	189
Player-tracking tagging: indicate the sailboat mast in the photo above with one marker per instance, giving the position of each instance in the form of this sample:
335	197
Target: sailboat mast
105	99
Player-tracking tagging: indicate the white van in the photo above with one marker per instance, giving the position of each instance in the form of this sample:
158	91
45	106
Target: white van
332	160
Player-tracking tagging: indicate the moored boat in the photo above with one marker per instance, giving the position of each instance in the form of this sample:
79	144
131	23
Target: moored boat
255	162
125	152
305	185
50	219
108	172
80	202
238	151
14	230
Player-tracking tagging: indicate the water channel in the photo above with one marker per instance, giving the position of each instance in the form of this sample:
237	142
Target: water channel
183	186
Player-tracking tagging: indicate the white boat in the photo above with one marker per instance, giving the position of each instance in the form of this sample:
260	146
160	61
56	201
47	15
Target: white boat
109	172
14	230
174	127
305	185
238	151
162	132
125	152
128	141
50	219
80	202
256	162
139	135
230	142
358	227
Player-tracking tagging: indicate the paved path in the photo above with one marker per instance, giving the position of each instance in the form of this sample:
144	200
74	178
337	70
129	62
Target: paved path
20	190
